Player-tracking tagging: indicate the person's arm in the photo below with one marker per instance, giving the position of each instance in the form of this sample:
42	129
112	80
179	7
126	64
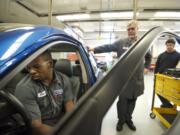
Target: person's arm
156	70
69	105
148	58
68	94
106	48
39	128
25	93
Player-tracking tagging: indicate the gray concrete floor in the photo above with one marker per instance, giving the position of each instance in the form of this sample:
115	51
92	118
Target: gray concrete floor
144	124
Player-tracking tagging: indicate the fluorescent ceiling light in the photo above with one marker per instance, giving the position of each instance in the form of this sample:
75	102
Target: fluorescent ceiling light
167	14
111	31
117	15
73	17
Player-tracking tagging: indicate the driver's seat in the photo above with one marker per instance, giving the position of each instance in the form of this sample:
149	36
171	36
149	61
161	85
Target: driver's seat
64	66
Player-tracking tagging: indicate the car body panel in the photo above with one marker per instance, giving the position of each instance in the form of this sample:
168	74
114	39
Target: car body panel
19	43
91	109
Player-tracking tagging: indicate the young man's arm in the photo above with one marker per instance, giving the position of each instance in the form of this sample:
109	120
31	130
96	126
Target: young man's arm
39	128
25	94
69	105
148	58
68	94
156	70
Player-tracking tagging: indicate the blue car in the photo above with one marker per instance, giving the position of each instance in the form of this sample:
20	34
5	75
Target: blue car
20	44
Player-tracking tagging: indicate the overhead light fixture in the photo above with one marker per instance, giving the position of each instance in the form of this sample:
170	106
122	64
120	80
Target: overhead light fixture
73	17
167	14
117	15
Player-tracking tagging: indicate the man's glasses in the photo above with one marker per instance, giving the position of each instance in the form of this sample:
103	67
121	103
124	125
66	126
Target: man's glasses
36	67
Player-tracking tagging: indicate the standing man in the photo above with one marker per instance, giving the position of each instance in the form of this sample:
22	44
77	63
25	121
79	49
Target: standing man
44	93
135	87
167	59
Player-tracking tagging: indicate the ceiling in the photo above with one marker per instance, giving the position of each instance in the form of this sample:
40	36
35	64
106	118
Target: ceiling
36	12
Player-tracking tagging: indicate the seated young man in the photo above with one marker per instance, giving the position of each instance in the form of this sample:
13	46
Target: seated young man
44	93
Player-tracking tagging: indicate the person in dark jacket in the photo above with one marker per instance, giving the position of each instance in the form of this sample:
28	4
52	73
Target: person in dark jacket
167	59
135	87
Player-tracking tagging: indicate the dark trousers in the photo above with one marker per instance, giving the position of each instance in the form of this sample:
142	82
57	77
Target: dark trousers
125	108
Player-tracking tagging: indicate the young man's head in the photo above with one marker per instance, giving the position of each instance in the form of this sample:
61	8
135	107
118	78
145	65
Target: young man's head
132	29
41	68
170	43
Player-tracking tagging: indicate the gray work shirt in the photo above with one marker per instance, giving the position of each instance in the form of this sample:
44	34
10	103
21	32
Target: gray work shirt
41	101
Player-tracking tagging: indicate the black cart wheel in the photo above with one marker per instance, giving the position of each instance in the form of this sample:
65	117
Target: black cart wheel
152	115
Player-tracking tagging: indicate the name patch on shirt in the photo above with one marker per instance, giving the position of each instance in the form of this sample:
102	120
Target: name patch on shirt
125	47
58	92
42	94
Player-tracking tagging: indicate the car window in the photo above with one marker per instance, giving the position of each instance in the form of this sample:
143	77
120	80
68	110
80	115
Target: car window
78	63
69	60
59	52
71	56
97	71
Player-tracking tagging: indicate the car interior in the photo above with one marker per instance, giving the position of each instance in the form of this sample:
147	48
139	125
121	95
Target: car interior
72	66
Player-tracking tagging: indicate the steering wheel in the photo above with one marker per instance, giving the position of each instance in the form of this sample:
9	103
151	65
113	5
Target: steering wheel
9	106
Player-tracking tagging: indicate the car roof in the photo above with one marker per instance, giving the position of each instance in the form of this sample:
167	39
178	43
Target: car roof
24	39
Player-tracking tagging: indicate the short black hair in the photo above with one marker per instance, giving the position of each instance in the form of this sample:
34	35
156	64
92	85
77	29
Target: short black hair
171	41
47	55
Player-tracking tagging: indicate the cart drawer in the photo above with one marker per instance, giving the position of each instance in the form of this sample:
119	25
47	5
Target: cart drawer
159	84
168	87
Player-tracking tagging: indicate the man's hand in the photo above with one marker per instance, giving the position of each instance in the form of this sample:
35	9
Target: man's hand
146	70
90	48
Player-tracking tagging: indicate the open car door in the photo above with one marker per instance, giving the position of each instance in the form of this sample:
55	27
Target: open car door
86	117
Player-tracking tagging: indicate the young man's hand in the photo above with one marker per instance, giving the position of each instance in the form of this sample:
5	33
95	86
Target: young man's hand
146	70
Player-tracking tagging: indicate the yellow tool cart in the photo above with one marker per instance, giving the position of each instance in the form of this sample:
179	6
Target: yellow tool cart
169	88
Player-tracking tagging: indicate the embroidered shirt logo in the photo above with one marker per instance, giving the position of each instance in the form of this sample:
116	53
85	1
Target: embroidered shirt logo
125	47
58	92
58	95
42	94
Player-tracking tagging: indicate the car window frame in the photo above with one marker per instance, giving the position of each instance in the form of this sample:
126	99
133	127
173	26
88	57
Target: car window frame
32	56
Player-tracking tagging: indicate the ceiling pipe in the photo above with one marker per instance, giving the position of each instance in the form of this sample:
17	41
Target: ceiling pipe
99	20
50	12
135	2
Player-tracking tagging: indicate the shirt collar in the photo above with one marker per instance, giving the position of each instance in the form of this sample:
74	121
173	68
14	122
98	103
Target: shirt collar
56	77
132	40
